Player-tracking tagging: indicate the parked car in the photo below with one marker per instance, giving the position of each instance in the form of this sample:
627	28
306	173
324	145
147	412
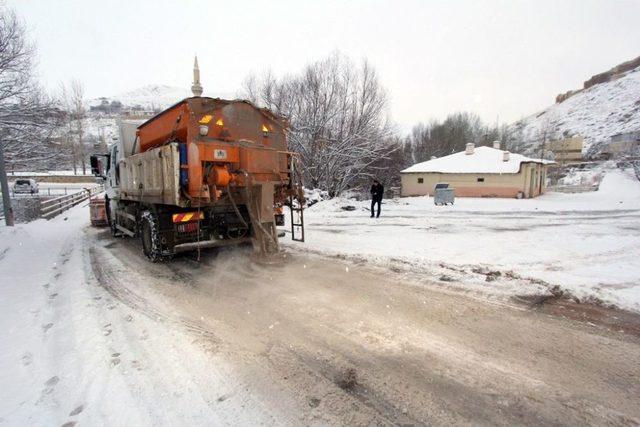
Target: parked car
25	186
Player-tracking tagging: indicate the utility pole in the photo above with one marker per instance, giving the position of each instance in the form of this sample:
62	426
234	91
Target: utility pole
544	142
6	197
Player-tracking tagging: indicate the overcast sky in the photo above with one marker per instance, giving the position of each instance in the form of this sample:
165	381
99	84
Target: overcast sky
496	58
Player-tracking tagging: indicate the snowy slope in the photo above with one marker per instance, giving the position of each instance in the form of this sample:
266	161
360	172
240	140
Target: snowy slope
595	113
98	126
150	98
156	96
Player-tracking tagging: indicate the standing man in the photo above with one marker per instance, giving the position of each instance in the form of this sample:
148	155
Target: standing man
377	190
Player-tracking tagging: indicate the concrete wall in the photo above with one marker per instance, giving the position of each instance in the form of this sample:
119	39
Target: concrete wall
527	181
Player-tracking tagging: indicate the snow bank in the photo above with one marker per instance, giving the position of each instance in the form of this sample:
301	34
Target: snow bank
313	196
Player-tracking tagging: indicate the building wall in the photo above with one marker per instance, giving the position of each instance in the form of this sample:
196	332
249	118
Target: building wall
527	181
567	149
621	144
626	137
616	148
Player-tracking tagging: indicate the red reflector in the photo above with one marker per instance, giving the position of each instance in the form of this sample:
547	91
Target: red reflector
187	216
189	227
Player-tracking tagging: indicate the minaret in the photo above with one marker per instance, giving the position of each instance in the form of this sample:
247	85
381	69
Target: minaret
196	88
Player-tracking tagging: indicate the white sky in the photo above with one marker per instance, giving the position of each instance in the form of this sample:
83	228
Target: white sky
508	58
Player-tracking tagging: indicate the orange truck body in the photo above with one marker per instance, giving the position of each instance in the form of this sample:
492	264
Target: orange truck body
225	142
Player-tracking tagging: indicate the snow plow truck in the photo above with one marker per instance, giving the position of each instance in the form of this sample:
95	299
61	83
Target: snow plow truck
203	173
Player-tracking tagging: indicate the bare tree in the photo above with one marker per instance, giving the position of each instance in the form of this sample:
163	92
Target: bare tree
27	117
515	137
635	162
24	111
102	139
72	101
337	113
545	134
443	138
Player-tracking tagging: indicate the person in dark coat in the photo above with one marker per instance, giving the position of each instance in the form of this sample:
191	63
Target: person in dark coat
377	190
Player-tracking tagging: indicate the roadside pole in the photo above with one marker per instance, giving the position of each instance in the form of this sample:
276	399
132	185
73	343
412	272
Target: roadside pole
6	197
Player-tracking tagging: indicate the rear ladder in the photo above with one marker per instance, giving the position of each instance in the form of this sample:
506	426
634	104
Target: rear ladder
296	202
299	225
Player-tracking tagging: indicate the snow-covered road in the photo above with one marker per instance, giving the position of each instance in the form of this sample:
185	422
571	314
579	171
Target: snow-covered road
588	243
71	352
95	334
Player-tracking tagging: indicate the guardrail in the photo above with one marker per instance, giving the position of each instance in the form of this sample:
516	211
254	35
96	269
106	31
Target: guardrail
48	191
573	188
52	207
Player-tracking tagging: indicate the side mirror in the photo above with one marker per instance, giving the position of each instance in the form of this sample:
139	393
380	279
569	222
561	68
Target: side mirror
98	162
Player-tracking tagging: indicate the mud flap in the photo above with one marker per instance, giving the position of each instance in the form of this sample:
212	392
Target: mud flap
265	234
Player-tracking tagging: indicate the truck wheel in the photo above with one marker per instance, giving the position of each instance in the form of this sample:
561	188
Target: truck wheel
150	235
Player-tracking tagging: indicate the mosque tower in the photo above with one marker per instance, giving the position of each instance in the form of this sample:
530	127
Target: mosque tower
196	87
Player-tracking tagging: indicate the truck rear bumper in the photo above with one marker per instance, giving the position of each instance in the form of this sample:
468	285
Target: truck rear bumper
203	244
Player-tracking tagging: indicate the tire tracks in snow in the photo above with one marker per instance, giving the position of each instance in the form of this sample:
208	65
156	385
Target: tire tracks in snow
111	282
293	332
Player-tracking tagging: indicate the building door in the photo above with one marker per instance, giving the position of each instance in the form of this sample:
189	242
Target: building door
532	181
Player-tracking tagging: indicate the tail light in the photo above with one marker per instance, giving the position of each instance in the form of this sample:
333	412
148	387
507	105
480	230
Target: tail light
188	227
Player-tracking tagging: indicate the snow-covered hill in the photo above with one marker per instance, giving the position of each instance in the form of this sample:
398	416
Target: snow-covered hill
101	125
149	97
154	97
595	113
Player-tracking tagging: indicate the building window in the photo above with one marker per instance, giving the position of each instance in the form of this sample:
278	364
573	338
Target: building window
480	179
420	180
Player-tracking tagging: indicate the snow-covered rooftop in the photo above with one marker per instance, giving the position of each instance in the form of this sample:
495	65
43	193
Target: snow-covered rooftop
483	160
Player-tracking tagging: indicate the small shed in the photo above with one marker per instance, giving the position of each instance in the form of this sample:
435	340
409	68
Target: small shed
478	172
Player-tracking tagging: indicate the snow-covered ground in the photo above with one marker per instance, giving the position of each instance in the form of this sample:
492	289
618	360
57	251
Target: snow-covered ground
95	334
588	243
581	177
70	353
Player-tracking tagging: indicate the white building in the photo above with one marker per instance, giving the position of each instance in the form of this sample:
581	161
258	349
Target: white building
478	172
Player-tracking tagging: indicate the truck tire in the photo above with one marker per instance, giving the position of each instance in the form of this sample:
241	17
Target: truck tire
150	236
